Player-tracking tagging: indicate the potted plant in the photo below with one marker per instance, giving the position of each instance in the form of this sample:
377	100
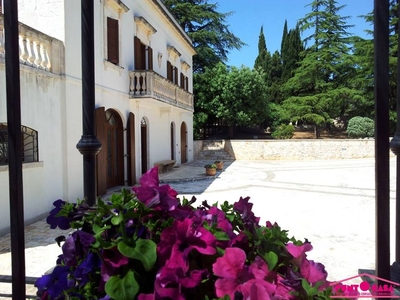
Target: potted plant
219	164
211	169
148	244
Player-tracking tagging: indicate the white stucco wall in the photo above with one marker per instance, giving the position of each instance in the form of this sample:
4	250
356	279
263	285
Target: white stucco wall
42	95
52	104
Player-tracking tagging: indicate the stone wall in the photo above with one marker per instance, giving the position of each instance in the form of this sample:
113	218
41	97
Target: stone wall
295	149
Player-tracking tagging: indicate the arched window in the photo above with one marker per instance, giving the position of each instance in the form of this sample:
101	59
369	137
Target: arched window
29	141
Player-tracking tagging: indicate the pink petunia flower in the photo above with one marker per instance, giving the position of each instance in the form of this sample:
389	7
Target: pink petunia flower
298	252
237	277
151	193
312	271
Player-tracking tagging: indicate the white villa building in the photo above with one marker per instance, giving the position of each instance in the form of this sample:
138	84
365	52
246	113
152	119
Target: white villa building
144	100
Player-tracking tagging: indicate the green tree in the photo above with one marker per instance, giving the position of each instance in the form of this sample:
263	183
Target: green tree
363	80
284	36
208	30
237	95
319	88
292	46
263	58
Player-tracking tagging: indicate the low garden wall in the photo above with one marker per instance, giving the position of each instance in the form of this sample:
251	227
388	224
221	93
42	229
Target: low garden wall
295	149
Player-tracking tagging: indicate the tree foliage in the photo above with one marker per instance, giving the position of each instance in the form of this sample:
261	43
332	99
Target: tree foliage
237	95
208	30
319	90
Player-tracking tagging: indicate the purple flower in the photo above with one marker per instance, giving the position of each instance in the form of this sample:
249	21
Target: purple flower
76	246
169	283
82	272
55	283
60	221
180	239
112	261
244	208
153	195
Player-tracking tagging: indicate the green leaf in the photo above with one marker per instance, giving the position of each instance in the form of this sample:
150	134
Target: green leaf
144	251
124	288
221	236
116	220
272	259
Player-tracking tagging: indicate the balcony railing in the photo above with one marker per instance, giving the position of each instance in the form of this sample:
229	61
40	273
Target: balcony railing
36	49
148	84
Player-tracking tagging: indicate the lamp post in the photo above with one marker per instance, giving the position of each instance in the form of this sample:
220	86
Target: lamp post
88	145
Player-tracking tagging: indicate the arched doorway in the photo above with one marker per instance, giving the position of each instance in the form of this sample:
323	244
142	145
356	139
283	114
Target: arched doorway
172	141
115	149
131	149
110	159
143	144
183	143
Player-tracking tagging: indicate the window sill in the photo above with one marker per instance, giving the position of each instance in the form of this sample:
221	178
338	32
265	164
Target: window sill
38	164
108	64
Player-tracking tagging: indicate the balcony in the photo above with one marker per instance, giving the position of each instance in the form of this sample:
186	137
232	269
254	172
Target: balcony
36	49
149	84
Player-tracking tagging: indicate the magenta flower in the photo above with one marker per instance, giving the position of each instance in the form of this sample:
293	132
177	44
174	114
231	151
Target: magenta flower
112	261
284	291
237	277
180	239
152	194
170	281
312	271
298	252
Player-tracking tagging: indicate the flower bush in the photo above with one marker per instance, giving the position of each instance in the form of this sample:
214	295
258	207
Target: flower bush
148	244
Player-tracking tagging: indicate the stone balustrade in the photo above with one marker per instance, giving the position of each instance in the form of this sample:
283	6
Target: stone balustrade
36	49
147	83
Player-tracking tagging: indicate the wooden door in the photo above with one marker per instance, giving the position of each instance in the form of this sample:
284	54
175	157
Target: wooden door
115	149
172	142
131	149
183	143
101	157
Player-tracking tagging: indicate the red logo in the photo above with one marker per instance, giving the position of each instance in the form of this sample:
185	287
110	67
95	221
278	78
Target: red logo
365	289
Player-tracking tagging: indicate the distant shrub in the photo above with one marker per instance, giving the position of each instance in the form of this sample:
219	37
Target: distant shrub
283	132
361	127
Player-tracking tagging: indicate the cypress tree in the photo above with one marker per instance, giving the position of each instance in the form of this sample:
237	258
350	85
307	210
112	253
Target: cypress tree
263	56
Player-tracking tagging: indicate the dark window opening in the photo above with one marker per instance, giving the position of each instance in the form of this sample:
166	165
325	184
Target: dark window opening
143	56
112	41
29	141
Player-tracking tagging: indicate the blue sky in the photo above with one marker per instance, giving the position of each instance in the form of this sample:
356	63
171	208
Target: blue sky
250	15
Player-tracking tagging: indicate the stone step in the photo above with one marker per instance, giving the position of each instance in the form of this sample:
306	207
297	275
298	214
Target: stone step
212	154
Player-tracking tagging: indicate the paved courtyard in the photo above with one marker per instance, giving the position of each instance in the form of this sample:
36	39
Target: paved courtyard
331	203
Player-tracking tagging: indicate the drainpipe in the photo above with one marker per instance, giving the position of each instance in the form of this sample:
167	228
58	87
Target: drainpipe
88	145
14	149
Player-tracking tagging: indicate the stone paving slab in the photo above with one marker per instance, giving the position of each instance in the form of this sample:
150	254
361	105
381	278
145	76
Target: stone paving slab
331	203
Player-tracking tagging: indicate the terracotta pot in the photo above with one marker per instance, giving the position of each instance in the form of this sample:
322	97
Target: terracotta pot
211	171
220	165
